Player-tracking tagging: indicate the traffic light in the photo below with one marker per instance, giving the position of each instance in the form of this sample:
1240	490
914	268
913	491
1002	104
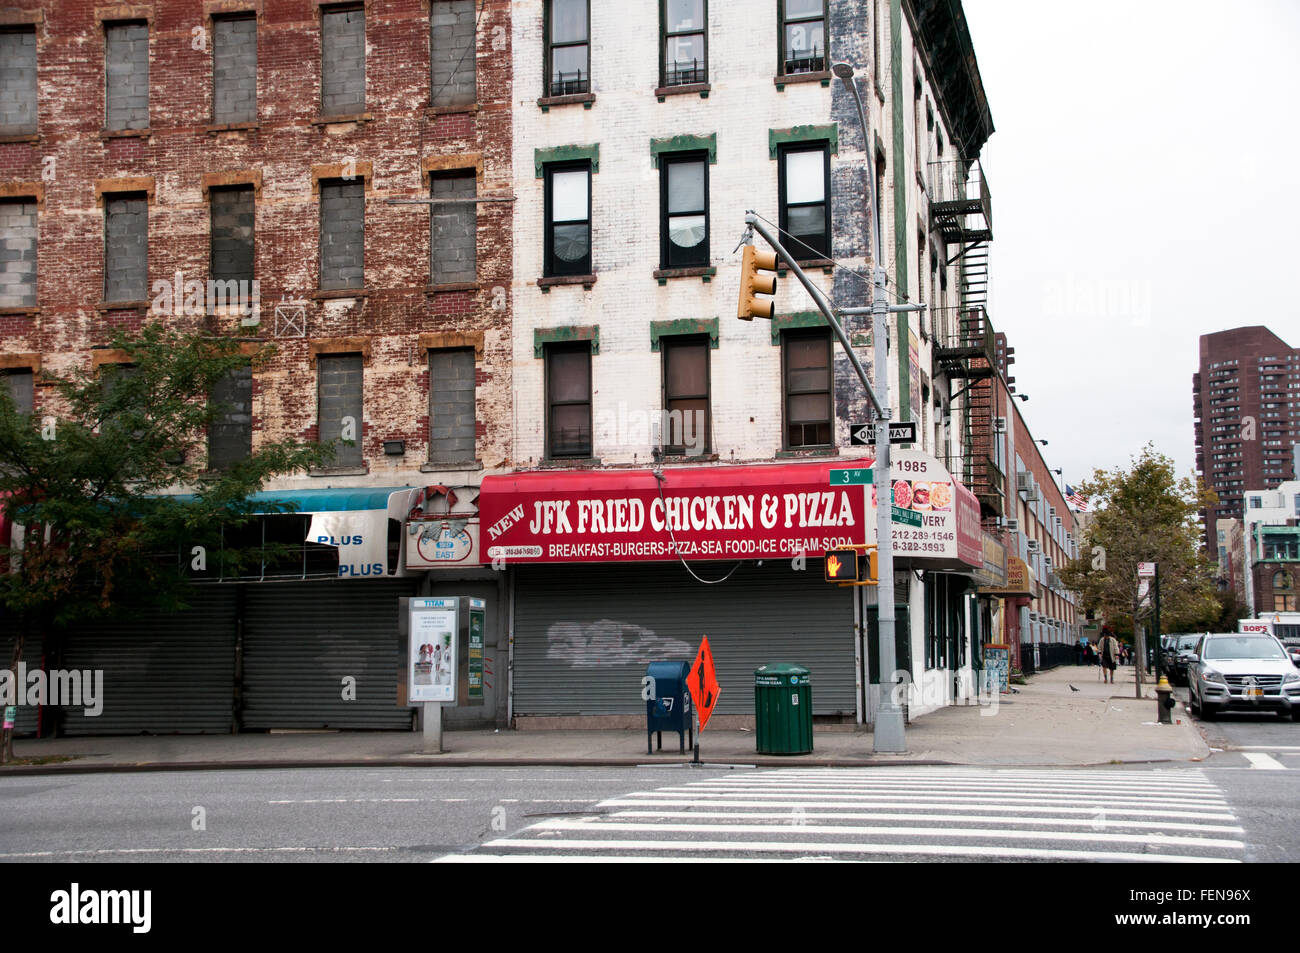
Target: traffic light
752	283
853	566
842	565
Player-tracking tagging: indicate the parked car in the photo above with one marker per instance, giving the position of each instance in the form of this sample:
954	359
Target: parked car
1178	655
1293	650
1242	672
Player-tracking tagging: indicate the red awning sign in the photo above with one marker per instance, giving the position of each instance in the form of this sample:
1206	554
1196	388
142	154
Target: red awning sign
719	512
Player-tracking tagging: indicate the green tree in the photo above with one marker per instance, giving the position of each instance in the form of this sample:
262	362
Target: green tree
1144	514
111	487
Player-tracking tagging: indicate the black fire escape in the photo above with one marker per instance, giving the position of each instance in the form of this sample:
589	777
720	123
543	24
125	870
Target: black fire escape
965	345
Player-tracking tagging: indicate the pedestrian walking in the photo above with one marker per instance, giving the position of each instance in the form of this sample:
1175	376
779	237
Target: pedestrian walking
1109	652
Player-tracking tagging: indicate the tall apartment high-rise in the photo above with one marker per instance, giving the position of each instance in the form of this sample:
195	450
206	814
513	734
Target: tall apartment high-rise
1247	407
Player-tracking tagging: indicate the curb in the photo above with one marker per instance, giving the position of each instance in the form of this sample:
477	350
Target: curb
442	761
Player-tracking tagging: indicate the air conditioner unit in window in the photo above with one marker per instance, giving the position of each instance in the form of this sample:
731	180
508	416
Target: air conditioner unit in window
1025	484
999	425
1031	545
1011	525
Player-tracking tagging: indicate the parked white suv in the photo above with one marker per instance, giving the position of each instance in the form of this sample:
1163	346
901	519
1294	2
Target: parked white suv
1243	672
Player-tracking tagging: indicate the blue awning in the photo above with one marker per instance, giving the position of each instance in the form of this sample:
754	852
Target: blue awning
332	501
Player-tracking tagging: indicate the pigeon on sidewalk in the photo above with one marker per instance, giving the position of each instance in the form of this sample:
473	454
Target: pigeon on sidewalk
1072	688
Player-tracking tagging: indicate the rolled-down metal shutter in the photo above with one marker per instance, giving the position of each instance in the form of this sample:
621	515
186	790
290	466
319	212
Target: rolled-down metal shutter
302	639
162	673
583	634
26	722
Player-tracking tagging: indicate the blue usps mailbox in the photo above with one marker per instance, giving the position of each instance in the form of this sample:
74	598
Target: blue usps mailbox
667	703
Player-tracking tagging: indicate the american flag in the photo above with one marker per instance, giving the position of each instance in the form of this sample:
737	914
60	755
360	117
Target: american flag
1075	499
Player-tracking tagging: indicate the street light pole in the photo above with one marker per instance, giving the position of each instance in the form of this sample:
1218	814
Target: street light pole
887	731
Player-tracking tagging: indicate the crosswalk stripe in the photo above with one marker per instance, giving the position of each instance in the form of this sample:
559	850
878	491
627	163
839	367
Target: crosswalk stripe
877	814
649	801
1154	837
1263	761
1107	821
833	847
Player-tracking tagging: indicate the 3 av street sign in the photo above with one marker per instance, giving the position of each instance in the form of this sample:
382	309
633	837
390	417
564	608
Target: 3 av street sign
862	435
862	476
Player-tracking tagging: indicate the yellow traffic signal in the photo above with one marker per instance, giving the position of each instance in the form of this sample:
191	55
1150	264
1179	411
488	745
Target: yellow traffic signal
752	283
871	567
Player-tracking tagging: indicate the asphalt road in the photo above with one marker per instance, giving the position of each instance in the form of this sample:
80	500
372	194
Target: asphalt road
1226	809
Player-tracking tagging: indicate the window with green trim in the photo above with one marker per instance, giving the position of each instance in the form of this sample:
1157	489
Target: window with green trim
568	399
568	219
806	380
803	36
805	182
685	44
684	210
686	421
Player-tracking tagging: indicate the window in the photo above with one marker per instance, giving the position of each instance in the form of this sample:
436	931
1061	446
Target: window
568	400
684	210
18	263
339	380
455	228
685	43
451	406
806	379
1283	594
343	61
18	81
126	246
18	383
451	42
342	234
230	434
568	219
803	36
1256	502
805	183
568	64
126	73
232	213
686	395
234	70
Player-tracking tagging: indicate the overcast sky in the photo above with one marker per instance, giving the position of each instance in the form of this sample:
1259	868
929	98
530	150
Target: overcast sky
1145	178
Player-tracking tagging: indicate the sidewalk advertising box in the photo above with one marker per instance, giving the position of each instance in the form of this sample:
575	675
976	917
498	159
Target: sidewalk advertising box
431	655
997	666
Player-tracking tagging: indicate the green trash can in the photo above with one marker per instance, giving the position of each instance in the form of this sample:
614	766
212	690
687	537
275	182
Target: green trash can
783	709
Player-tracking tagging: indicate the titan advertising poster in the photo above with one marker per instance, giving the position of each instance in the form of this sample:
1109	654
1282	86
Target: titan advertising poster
431	664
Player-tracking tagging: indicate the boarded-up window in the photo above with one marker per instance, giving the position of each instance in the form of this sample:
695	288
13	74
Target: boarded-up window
18	383
342	234
126	246
451	45
17	253
455	229
17	81
339	379
232	233
234	70
126	68
568	399
230	435
343	61
451	406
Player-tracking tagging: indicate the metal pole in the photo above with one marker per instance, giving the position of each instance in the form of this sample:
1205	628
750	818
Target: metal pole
887	732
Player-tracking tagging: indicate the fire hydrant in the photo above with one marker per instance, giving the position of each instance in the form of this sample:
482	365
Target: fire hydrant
1165	701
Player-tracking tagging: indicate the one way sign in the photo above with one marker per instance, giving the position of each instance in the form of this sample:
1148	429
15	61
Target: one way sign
865	434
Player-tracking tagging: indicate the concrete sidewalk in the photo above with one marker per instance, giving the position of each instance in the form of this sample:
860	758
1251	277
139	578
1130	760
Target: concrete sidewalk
1044	723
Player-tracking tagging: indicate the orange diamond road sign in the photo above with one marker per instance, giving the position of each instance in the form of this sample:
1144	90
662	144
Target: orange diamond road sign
703	683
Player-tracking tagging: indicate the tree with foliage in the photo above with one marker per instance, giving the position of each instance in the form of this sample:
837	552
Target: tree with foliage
1144	514
111	488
